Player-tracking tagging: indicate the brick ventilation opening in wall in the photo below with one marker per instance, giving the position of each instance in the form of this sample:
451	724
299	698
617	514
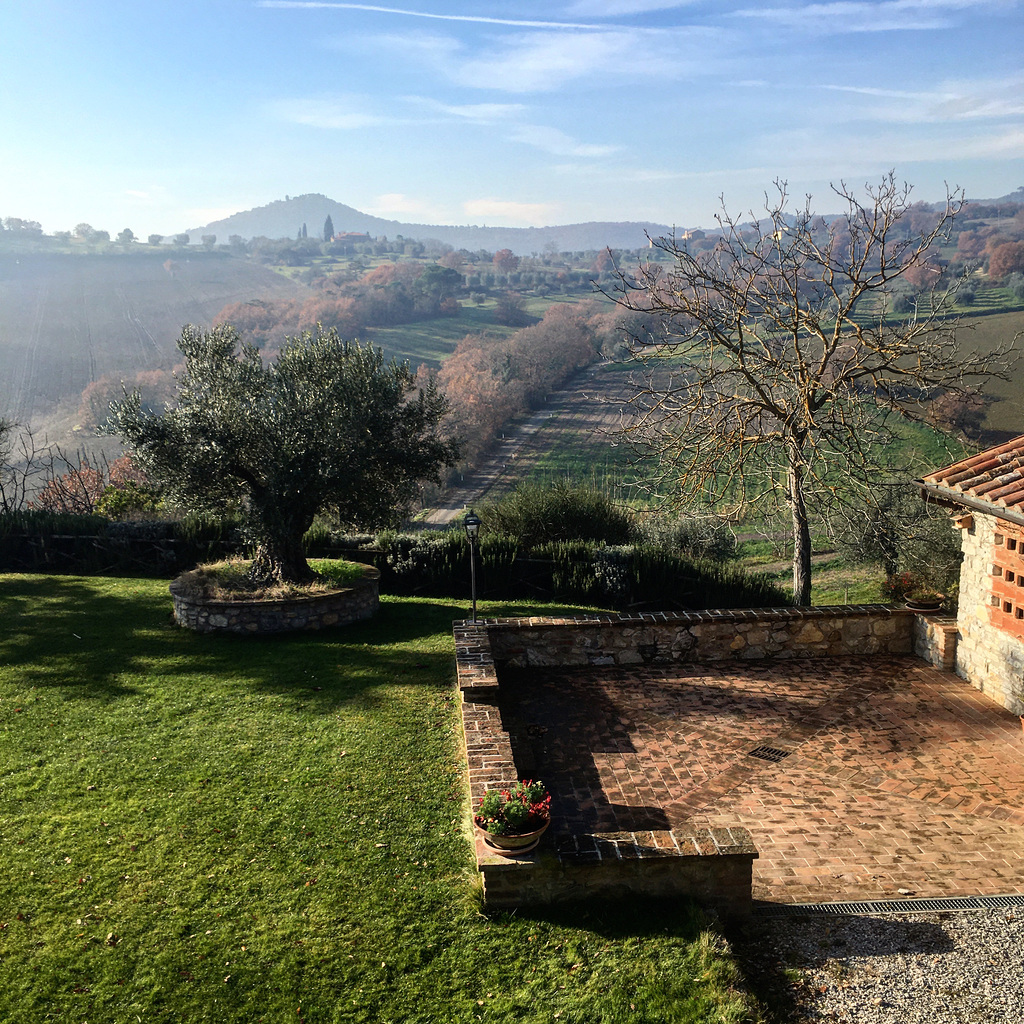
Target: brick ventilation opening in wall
1007	578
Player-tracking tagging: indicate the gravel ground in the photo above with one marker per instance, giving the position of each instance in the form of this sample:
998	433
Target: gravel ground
944	968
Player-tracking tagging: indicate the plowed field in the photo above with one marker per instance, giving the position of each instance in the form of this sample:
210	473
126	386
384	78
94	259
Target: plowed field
68	320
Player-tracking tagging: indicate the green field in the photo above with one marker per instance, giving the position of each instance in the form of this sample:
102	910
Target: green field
986	333
235	829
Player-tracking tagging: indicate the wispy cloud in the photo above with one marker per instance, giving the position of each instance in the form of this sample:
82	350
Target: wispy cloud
399	204
480	113
341	113
867	90
558	143
545	61
404	12
507	210
658	175
613	8
846	154
961	100
352	113
844	16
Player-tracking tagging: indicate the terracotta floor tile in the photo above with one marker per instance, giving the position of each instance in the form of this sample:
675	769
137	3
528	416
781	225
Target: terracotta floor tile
895	770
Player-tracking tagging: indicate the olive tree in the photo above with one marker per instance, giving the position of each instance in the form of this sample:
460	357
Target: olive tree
327	426
791	366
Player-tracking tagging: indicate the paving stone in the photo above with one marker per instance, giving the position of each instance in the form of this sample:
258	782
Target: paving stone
899	775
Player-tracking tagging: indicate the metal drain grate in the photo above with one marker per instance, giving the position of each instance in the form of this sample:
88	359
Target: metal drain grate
768	753
910	906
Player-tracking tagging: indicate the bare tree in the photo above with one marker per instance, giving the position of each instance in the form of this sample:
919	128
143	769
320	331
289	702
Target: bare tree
791	367
22	465
41	475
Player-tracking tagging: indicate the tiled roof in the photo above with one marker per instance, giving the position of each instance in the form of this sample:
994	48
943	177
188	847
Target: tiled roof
992	481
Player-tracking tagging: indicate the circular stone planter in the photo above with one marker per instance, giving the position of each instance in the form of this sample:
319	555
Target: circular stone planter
356	601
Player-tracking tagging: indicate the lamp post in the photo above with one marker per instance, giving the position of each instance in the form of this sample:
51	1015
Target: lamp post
472	526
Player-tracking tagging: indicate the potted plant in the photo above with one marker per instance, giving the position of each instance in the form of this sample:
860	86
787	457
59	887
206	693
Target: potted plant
512	820
923	599
897	586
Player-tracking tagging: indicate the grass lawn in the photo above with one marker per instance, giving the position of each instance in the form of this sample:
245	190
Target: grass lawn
210	828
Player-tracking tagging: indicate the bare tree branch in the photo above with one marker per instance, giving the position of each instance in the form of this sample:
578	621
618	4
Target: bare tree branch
792	367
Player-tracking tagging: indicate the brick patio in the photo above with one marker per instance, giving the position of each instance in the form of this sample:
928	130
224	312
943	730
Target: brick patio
896	775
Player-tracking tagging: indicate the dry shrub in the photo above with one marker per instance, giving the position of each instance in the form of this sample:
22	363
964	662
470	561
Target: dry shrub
229	581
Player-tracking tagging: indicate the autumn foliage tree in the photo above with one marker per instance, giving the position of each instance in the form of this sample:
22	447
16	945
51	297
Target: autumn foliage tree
491	378
505	261
1006	259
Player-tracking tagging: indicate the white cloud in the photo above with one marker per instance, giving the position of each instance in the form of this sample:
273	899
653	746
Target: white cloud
949	101
517	214
340	113
611	8
556	142
407	13
865	90
544	61
991	98
656	175
842	16
848	153
481	113
401	205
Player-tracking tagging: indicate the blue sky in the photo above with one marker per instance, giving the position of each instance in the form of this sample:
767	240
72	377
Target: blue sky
161	115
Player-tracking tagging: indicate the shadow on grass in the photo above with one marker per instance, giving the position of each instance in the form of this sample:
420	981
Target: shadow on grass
104	638
634	917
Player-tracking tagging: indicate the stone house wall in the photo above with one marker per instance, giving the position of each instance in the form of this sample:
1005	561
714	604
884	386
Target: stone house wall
990	648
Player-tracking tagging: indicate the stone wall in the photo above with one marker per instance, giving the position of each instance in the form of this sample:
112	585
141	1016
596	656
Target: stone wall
357	601
712	635
990	649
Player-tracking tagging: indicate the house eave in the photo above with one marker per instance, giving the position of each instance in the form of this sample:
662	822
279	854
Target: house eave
939	495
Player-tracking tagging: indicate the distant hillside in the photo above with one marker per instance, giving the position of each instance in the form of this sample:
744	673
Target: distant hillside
68	320
284	218
1016	196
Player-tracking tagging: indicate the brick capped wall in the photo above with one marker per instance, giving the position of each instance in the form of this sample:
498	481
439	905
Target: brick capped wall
714	866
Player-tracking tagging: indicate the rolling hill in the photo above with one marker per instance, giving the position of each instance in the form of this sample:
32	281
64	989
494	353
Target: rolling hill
285	217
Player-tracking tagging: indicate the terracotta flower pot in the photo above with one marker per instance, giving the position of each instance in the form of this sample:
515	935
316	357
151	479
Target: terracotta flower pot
513	844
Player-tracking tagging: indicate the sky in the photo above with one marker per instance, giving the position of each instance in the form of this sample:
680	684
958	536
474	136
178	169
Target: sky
162	115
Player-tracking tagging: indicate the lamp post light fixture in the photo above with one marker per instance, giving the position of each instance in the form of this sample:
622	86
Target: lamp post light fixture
472	527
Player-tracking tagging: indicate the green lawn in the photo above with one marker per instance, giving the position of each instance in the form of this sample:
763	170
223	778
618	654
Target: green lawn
208	828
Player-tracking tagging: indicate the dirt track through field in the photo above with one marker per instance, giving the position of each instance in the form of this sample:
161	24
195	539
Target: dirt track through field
586	413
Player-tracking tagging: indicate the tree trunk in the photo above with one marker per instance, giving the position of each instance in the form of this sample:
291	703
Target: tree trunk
801	530
278	527
280	560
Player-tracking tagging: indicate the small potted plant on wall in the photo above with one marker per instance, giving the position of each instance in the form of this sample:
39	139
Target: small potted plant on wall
512	820
924	599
